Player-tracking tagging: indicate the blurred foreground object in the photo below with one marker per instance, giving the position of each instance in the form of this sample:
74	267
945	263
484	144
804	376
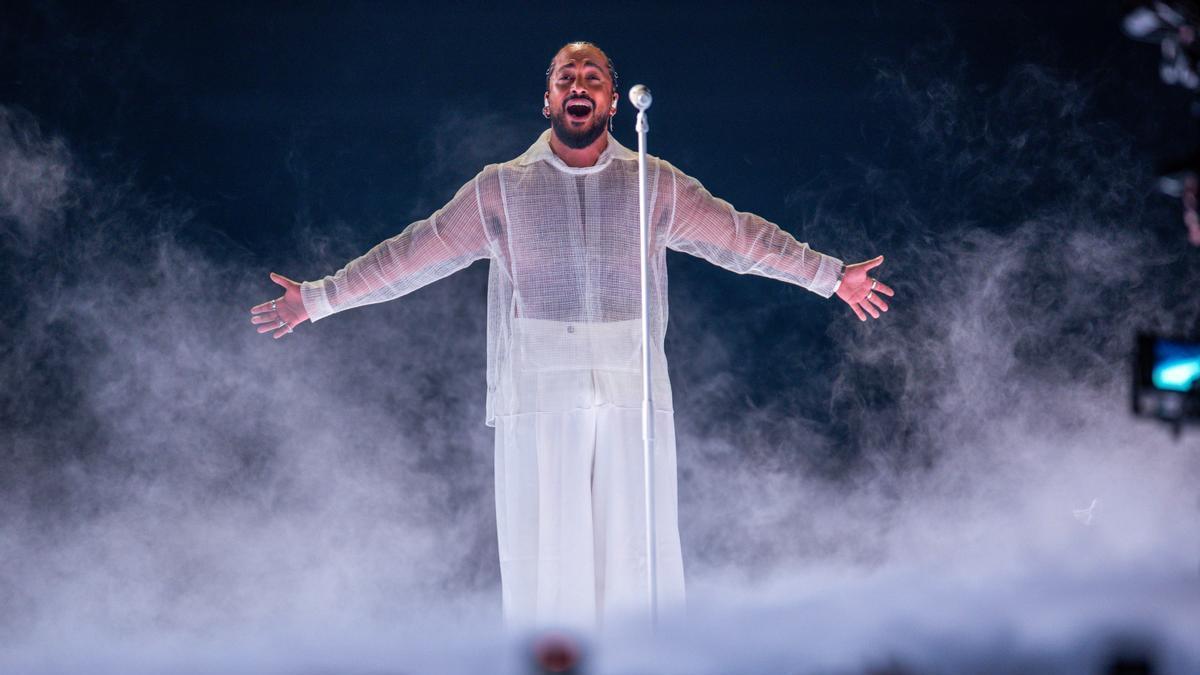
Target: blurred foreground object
1182	181
556	653
1166	372
1172	25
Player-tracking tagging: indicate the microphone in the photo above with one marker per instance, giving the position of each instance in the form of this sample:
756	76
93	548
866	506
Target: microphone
640	97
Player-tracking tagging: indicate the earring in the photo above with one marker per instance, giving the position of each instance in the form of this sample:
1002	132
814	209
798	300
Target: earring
546	112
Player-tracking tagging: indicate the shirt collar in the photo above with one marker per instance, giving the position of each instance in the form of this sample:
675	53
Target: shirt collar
540	150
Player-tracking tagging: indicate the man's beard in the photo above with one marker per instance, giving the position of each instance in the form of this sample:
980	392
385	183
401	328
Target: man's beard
581	138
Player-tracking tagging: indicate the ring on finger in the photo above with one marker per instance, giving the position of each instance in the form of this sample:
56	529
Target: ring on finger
873	283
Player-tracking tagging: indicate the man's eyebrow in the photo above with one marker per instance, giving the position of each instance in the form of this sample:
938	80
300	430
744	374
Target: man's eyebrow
571	64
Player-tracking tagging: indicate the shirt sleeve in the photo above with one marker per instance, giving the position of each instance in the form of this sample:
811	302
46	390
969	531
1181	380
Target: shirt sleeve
425	251
710	228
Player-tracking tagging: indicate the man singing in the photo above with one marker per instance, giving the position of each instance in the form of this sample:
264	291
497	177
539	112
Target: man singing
560	228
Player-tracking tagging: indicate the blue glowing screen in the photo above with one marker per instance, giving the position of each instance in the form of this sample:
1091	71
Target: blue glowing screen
1176	365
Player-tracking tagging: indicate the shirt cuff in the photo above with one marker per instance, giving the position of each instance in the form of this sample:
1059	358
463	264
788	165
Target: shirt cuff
829	276
316	303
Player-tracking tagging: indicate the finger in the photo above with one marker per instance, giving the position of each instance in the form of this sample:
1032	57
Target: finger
881	287
878	301
281	280
262	318
861	317
870	309
283	330
264	307
270	326
874	262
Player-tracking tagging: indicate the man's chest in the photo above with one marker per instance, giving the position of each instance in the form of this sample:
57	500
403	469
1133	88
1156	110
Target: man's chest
573	216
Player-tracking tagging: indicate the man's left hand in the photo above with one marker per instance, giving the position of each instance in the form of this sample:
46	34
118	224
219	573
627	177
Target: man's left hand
863	293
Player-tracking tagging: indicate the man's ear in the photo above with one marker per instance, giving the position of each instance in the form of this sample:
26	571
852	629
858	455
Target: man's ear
612	108
546	100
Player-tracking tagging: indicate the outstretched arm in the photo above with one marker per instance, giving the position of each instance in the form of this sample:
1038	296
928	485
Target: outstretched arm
427	250
705	226
710	228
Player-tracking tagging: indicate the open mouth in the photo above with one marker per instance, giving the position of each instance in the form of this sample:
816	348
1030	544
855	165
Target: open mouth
579	109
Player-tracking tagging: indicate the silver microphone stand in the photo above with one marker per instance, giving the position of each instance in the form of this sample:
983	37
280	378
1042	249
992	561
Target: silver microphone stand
639	95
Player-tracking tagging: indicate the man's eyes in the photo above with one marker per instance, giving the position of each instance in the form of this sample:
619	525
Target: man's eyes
568	76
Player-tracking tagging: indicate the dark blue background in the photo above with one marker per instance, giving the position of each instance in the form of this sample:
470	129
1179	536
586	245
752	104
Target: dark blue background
271	122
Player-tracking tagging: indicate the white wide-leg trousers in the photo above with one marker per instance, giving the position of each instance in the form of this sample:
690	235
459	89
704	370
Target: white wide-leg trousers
570	516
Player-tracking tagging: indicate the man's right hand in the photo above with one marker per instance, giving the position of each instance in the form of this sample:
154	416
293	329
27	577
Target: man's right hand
280	315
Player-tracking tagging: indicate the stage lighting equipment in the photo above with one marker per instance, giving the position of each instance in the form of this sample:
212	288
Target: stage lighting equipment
1166	383
1171	25
1181	179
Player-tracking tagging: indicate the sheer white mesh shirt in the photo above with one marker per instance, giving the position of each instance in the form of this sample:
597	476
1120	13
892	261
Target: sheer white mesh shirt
563	249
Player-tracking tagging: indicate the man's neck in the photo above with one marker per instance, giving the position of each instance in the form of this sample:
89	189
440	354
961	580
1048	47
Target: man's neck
577	158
